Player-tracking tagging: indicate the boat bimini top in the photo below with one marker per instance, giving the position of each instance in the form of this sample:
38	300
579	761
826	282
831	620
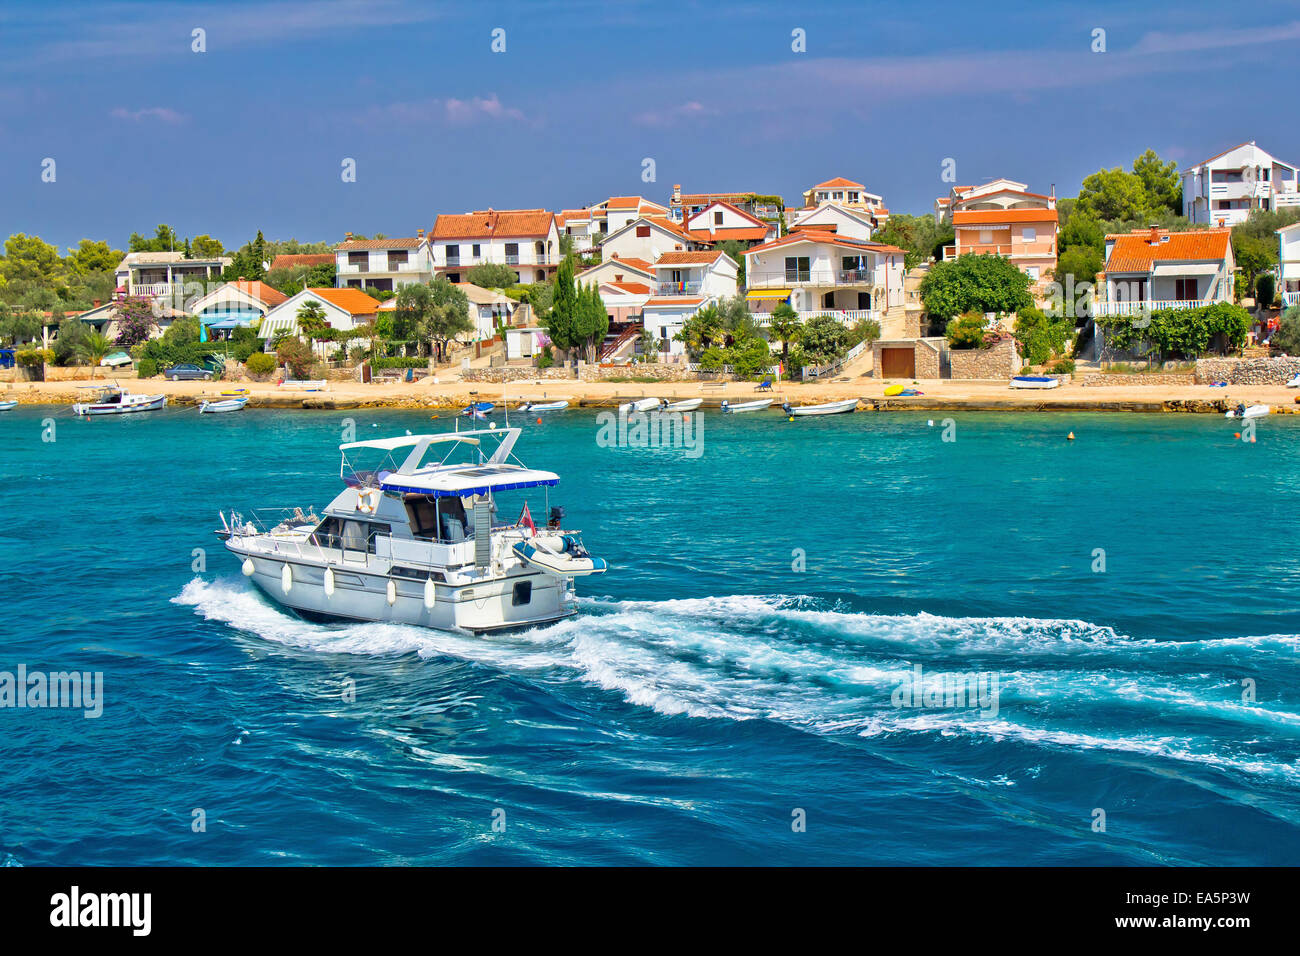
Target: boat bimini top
444	478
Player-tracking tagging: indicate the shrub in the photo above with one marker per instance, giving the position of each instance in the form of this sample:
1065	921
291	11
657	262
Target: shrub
545	358
398	361
146	368
1265	289
34	358
1039	337
493	275
258	364
823	339
966	332
296	355
1063	367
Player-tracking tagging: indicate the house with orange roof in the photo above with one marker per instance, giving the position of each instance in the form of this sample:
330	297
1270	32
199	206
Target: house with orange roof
383	265
684	206
593	223
345	309
1224	189
618	268
234	305
649	237
710	273
856	222
1154	268
820	272
720	221
487	309
1003	218
665	316
526	240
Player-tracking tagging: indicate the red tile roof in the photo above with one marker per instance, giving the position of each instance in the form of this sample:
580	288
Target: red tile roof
308	259
1135	252
687	258
674	300
406	243
973	217
261	291
839	182
352	301
490	224
635	288
722	233
830	238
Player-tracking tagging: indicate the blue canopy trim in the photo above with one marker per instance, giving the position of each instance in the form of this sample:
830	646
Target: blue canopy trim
466	492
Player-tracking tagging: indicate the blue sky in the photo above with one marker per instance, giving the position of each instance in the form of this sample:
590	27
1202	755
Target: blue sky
252	133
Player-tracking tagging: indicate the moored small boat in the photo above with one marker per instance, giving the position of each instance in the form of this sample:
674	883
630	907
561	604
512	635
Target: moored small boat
757	405
228	405
826	408
685	405
1034	381
544	406
1254	411
5	406
478	409
640	405
115	400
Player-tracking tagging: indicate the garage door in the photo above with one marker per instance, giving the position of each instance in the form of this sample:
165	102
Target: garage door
897	363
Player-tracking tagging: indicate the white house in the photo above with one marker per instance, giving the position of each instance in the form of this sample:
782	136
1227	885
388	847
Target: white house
345	309
236	304
664	317
647	238
382	264
619	269
836	218
590	225
526	240
1224	189
720	221
1157	269
1288	263
157	275
822	273
707	273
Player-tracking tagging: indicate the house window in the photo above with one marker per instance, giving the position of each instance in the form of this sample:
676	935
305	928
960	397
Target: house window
1032	272
475	250
453	253
1185	290
358	258
398	259
642	232
986	236
717	218
1029	234
797	269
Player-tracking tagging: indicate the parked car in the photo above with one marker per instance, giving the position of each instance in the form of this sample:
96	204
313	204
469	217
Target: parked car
187	372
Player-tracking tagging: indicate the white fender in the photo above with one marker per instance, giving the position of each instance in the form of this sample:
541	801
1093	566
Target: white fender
286	579
247	567
428	593
392	592
329	582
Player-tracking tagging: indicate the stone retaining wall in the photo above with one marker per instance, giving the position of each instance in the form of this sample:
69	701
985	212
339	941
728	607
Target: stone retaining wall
1256	371
996	362
1102	380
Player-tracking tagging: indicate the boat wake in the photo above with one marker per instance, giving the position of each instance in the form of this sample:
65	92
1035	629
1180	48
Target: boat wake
829	670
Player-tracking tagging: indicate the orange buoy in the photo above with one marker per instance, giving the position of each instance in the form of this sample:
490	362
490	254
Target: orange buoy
539	421
1070	437
1236	434
1252	439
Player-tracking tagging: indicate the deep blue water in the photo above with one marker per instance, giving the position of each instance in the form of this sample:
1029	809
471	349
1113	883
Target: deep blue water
707	690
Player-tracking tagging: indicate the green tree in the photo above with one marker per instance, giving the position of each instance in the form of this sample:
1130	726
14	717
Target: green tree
972	283
93	348
785	327
1287	336
561	320
1039	337
296	355
164	239
30	259
248	261
920	237
966	331
824	339
1163	185
205	247
1254	255
1114	194
413	307
92	256
448	316
492	275
135	321
312	324
72	333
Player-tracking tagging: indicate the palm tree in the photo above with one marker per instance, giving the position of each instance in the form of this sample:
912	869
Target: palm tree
93	348
785	327
311	321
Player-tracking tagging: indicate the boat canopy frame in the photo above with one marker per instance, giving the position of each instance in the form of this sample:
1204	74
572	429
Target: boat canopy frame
501	471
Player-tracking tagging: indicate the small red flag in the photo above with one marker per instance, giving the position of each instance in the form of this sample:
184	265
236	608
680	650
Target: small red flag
526	520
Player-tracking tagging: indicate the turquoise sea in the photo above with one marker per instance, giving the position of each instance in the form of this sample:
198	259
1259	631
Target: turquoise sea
712	703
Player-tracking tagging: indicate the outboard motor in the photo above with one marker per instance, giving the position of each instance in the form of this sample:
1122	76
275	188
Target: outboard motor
557	516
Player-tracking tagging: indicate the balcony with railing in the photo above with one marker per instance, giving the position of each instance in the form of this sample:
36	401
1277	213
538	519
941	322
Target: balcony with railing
1142	306
514	259
815	278
1010	250
679	288
846	316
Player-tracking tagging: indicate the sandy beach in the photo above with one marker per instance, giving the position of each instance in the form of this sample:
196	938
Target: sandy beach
449	392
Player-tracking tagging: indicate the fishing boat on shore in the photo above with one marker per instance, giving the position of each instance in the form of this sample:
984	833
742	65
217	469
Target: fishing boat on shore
736	408
418	541
640	405
685	405
544	406
826	408
115	400
5	406
225	405
1034	381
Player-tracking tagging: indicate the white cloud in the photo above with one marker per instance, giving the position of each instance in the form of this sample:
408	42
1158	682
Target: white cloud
162	114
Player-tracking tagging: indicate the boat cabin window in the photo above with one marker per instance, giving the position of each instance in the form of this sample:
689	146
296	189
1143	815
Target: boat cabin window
349	534
439	519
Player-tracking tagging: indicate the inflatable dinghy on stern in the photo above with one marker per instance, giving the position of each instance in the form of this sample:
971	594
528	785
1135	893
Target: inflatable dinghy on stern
559	554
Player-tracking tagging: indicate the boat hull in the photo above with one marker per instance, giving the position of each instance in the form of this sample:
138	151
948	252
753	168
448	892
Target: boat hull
154	403
233	405
5	406
361	594
830	408
688	405
754	406
1034	382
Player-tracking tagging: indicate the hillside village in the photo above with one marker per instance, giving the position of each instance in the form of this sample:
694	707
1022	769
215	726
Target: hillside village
1152	267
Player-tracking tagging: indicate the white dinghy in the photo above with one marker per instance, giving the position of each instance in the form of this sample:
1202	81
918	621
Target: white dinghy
1254	411
685	405
827	408
640	405
755	406
224	405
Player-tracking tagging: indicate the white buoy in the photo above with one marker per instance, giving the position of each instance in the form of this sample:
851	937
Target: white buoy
247	567
428	593
286	579
329	582
930	422
392	592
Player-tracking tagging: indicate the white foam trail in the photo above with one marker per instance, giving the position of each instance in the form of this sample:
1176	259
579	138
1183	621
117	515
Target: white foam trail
784	659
